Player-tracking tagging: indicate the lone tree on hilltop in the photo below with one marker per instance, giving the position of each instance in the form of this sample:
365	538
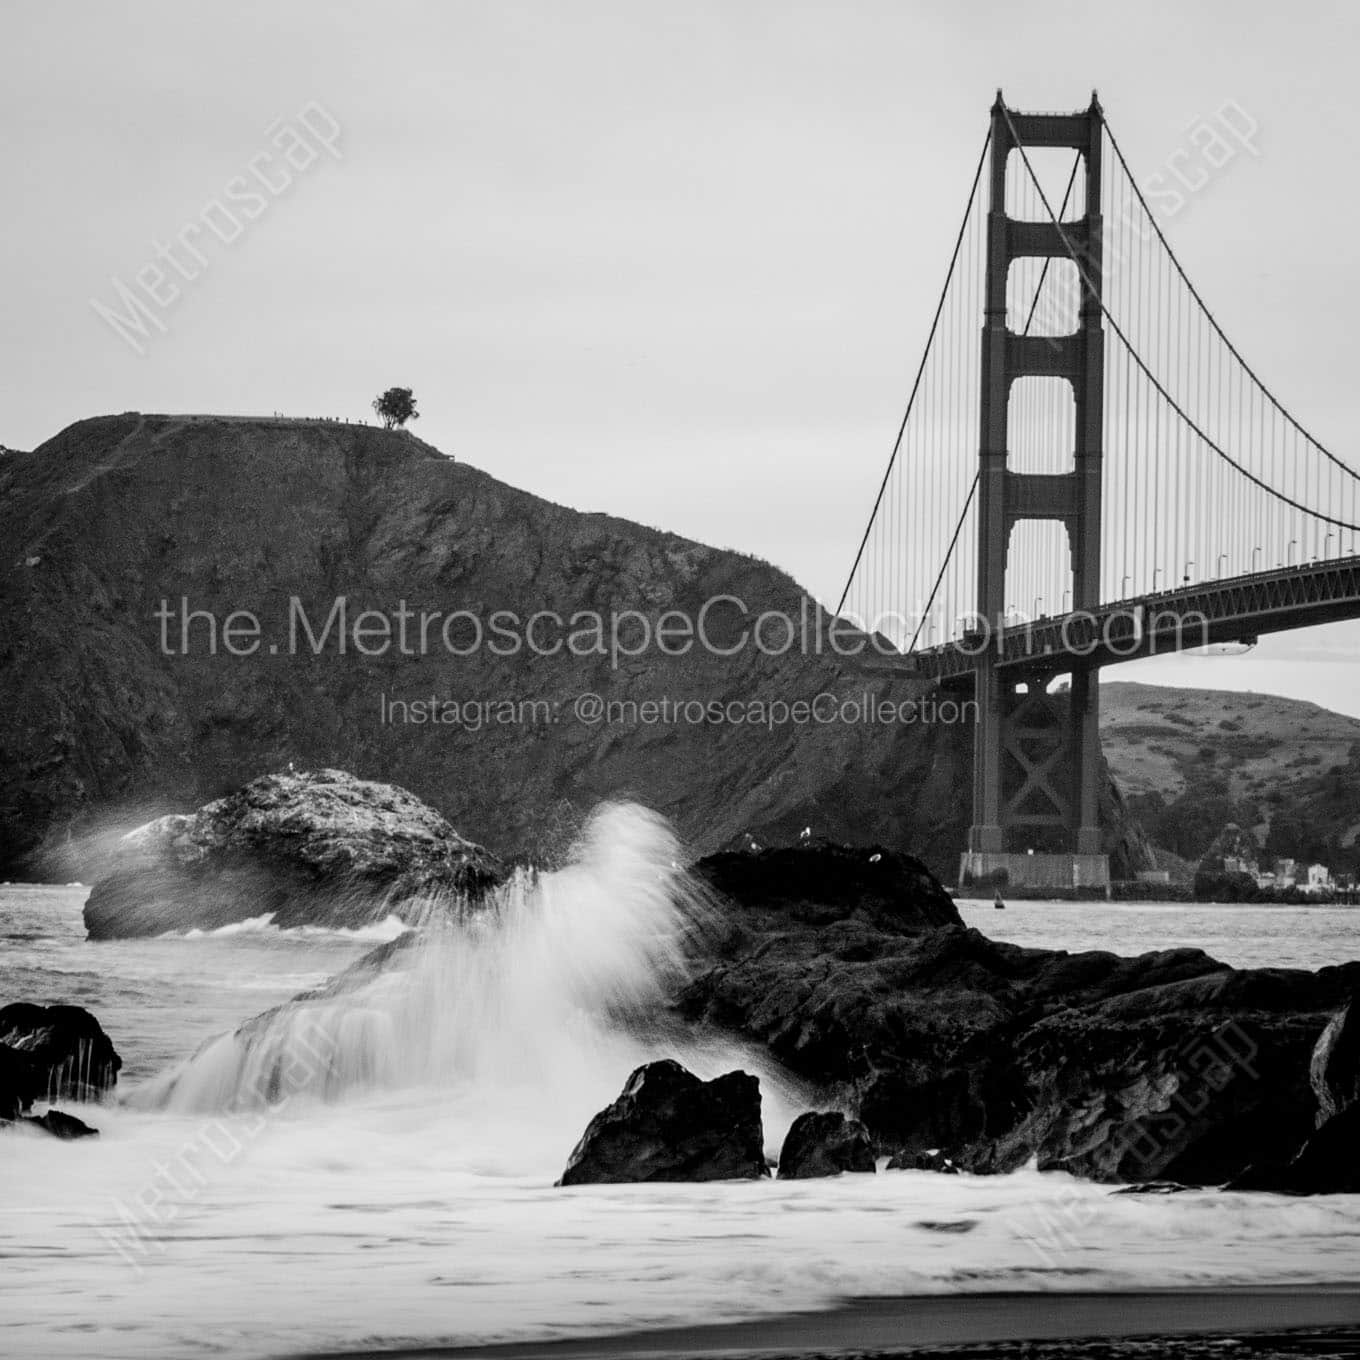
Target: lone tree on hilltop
395	407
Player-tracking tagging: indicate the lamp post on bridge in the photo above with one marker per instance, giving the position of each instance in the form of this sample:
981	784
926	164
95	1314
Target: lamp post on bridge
1255	557
1218	566
1185	576
1289	552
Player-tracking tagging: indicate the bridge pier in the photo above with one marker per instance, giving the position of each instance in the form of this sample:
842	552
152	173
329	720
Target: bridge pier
1037	873
1087	771
987	835
1037	776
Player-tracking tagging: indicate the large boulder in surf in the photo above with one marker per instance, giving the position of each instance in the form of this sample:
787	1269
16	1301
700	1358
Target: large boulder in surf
668	1125
60	1125
825	1144
1170	1065
318	848
21	1083
53	1053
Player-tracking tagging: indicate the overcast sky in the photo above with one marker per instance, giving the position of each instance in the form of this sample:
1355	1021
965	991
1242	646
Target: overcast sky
674	261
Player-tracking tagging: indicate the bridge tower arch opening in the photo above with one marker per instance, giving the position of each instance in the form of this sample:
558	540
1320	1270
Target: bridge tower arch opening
1037	766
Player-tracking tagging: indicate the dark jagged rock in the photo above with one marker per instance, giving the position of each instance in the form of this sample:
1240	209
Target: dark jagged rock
53	1053
21	1083
818	884
1170	1065
320	848
1335	1066
824	1144
1328	1163
668	1125
61	1125
932	1159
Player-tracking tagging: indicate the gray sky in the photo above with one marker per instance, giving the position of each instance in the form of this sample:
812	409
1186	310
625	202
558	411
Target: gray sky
674	261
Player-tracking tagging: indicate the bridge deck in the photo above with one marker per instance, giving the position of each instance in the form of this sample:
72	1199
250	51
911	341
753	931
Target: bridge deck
1236	609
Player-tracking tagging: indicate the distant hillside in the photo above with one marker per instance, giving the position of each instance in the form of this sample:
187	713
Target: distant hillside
1191	760
114	515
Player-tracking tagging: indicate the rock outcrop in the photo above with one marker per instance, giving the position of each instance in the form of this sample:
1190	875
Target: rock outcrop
1335	1065
932	1159
815	884
56	1052
1327	1162
1328	1159
1168	1066
319	848
60	1125
825	1144
21	1083
668	1125
52	1053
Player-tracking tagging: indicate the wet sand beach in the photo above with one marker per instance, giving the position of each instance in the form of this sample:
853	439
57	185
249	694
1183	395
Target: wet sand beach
1246	1324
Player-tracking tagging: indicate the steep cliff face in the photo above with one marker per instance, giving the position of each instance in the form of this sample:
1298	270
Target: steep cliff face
123	518
117	516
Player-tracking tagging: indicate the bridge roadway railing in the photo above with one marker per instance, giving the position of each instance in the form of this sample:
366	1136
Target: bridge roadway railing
1235	609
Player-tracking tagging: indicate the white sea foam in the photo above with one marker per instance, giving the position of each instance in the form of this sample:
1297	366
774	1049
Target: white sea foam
379	932
389	1217
528	1013
262	1200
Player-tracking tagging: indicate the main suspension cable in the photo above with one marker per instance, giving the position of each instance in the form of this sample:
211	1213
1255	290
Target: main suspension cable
915	387
1145	370
977	476
1212	319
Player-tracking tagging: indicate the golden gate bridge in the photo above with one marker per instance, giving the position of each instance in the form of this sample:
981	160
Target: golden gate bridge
1102	478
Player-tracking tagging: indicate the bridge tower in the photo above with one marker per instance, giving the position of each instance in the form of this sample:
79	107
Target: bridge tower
1037	766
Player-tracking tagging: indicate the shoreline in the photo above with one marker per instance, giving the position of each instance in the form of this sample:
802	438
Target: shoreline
917	1324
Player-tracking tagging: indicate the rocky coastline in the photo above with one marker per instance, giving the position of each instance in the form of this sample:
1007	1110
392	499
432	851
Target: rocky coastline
929	1044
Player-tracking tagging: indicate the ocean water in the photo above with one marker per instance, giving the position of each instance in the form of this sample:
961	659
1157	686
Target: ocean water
1245	936
376	1167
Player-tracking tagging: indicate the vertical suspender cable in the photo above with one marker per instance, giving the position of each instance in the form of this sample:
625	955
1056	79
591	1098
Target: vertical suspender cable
906	415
